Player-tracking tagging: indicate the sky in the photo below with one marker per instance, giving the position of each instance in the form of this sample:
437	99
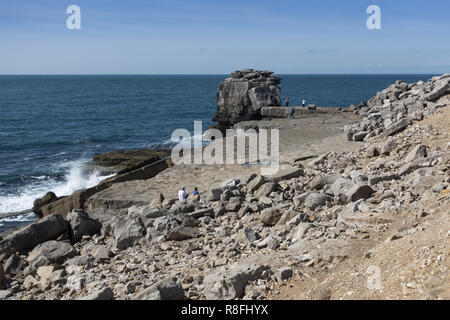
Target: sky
217	37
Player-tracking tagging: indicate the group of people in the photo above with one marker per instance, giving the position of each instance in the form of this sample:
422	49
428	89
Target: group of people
182	195
291	109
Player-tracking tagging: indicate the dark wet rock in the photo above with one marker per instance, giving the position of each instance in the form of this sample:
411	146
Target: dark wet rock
49	197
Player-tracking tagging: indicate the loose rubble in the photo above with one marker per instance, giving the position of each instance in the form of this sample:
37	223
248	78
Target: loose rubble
248	235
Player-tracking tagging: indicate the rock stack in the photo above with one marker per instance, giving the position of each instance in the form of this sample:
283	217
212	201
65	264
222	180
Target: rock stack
397	106
240	97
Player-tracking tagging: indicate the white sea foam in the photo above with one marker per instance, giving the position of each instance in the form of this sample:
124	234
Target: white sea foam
76	178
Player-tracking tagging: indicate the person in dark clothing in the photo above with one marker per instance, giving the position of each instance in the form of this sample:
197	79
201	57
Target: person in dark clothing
291	113
287	102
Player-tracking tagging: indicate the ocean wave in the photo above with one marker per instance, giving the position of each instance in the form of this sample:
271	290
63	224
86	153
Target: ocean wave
76	177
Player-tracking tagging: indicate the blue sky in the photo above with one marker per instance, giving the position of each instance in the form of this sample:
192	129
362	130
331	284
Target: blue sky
216	37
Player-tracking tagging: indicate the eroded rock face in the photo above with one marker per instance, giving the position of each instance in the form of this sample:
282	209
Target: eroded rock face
240	97
48	228
230	284
80	224
51	252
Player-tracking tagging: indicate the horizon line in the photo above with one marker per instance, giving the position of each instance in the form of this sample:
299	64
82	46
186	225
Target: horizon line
205	74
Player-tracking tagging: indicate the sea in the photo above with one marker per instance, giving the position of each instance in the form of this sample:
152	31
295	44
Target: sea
50	126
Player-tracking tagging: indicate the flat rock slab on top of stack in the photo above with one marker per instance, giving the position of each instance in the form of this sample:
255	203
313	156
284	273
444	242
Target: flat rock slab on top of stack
240	97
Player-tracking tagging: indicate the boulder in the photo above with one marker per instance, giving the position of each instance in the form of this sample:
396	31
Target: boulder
50	252
283	274
101	253
127	232
49	197
270	216
359	191
45	229
167	289
266	189
182	233
320	181
256	183
388	146
397	127
341	186
148	212
315	200
85	260
247	235
230	284
80	224
439	90
419	152
241	97
214	194
14	264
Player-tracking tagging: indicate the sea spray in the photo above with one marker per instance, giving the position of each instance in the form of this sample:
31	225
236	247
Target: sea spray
77	177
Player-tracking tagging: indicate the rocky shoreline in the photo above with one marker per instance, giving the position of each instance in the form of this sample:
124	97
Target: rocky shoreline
248	234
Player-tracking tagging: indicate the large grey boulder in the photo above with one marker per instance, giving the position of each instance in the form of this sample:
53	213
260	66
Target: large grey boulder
440	89
45	229
340	186
167	289
182	233
315	200
80	224
230	284
50	252
241	97
359	191
419	152
270	216
397	127
127	232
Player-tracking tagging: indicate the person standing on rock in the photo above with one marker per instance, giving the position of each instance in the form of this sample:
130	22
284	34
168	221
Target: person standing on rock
182	195
303	103
287	102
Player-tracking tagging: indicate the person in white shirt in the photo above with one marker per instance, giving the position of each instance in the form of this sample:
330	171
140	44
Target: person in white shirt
182	195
